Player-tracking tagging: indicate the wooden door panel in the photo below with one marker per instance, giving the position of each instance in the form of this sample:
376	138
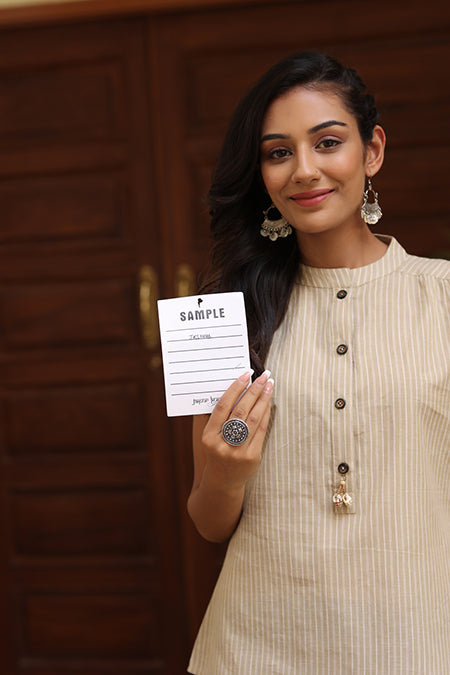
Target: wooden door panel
91	522
69	314
74	98
210	107
107	418
79	631
83	208
90	562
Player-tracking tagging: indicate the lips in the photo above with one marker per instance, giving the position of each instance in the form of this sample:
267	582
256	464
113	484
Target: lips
311	198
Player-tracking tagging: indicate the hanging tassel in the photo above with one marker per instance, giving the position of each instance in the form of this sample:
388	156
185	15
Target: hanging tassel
342	501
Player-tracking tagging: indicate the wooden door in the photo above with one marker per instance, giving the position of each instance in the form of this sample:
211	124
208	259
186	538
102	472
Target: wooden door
108	134
90	567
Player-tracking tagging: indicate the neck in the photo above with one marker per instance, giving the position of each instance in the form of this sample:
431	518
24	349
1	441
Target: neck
333	248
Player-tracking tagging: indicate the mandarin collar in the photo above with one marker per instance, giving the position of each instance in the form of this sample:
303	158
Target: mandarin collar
324	277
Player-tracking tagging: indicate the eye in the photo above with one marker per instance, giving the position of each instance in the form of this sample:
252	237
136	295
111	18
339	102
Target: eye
278	153
328	144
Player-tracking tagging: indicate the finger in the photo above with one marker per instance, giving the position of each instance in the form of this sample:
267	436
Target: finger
258	413
225	404
252	421
261	430
261	408
248	401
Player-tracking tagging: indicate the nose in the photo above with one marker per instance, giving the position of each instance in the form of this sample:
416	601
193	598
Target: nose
305	169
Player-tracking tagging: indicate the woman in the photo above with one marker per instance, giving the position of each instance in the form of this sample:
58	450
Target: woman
337	502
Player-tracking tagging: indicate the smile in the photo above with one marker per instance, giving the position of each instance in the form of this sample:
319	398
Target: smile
311	198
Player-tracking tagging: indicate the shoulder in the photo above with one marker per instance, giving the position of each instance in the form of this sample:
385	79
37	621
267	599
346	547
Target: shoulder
428	279
426	268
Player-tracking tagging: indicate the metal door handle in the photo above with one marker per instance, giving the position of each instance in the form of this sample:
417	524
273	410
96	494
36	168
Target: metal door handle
148	295
185	280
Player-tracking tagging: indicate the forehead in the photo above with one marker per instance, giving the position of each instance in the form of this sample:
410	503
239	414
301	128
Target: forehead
304	107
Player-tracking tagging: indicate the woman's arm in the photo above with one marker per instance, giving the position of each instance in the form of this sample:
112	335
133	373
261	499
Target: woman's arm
221	470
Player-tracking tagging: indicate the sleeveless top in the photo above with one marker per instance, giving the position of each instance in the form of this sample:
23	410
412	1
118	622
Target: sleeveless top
362	386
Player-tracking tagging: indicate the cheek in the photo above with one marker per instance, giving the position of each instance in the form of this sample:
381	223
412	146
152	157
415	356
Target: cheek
274	178
350	166
350	174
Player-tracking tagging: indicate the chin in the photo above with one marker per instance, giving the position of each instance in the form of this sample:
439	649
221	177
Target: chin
314	228
322	225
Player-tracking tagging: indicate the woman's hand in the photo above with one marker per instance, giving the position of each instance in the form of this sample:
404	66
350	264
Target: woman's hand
232	466
222	470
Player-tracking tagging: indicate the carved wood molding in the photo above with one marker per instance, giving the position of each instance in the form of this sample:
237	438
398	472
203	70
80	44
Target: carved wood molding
45	12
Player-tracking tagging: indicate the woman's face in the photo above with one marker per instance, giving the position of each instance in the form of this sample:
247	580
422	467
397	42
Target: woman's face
313	161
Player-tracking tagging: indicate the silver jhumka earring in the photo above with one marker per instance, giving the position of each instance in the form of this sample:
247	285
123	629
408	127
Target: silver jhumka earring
370	213
274	224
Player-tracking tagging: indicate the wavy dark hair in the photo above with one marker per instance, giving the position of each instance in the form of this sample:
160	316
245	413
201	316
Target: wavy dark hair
241	259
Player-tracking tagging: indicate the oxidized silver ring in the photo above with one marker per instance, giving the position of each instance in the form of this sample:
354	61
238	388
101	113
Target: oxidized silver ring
235	431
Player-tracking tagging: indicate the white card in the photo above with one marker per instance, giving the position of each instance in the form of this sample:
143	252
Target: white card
204	345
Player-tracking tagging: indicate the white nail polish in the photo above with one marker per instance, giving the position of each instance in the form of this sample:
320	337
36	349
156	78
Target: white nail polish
268	373
268	386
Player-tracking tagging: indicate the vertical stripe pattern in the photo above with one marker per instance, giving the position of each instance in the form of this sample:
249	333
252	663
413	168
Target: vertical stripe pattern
308	588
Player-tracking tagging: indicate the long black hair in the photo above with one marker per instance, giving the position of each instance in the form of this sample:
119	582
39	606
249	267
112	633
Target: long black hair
241	259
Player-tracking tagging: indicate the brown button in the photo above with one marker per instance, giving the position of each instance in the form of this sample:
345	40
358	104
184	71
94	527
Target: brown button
342	349
341	294
343	468
339	403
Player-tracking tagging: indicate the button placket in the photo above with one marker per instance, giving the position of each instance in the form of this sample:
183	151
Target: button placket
342	415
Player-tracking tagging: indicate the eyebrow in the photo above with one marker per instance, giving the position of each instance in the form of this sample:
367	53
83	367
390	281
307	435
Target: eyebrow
324	125
313	130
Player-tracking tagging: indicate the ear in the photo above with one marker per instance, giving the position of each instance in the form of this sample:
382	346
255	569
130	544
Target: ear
375	151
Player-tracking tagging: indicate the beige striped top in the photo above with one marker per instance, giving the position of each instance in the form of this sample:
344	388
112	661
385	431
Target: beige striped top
362	378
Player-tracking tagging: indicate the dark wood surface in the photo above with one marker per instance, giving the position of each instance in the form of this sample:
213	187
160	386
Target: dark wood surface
74	10
91	569
108	134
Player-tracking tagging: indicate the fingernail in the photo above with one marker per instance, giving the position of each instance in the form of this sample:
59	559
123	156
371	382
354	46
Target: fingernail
262	379
269	385
246	376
